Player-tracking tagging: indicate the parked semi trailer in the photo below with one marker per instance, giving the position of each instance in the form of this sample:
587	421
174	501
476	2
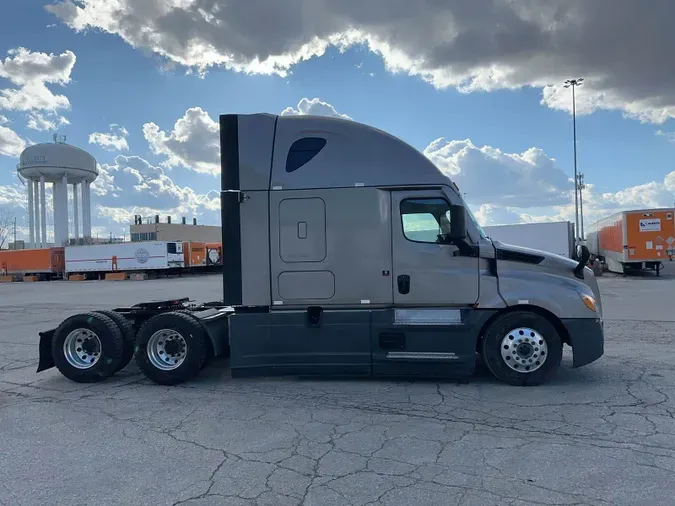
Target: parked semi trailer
554	237
323	274
639	239
194	254
126	256
46	263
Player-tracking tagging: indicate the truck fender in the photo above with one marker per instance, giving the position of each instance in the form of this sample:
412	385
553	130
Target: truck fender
548	305
46	360
541	311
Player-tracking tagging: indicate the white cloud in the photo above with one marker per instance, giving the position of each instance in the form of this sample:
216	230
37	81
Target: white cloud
114	140
24	67
44	122
504	188
10	142
486	174
315	106
193	143
668	135
480	45
31	72
12	196
131	185
32	97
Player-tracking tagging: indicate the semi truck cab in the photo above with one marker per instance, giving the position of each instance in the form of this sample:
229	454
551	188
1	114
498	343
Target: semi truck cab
346	251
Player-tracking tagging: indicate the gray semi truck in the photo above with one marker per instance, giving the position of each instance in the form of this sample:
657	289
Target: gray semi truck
347	252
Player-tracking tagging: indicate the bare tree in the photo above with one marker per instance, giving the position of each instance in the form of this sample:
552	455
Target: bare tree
6	224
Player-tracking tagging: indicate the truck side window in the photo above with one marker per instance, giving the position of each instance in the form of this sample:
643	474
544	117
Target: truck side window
302	151
425	219
171	247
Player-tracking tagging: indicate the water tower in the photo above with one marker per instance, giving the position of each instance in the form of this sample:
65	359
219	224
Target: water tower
60	164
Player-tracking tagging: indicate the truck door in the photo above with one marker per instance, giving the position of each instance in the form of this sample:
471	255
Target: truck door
431	331
426	271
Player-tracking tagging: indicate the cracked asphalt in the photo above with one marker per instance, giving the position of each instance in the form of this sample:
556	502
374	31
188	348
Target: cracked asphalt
600	435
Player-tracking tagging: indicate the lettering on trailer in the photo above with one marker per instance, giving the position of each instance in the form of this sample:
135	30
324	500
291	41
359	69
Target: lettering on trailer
142	255
650	225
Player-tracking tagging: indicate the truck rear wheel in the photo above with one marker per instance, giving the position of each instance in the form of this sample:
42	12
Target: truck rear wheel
87	347
209	348
171	348
128	333
522	348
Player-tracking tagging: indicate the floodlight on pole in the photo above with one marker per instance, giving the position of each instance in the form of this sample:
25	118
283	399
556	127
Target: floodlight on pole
574	83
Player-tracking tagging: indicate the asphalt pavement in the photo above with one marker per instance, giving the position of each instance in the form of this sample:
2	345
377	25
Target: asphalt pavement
600	435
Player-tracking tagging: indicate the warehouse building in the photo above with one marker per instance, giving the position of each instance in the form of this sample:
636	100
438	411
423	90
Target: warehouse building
155	230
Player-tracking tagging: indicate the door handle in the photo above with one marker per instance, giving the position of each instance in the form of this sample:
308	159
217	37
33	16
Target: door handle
403	284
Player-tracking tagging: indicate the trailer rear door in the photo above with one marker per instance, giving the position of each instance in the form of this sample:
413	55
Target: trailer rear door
649	235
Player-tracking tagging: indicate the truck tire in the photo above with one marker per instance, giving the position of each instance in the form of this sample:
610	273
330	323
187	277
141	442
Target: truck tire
522	348
87	347
128	334
171	348
209	347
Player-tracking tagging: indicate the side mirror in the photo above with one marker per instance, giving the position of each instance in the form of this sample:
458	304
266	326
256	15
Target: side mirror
457	223
583	254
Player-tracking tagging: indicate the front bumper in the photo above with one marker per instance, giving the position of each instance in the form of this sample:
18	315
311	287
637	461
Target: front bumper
587	338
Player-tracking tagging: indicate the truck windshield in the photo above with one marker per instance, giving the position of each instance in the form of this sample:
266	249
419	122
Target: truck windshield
475	221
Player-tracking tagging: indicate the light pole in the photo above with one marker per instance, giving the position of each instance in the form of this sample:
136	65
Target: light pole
574	83
581	186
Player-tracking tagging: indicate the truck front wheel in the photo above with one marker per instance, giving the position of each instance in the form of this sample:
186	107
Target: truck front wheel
522	348
171	348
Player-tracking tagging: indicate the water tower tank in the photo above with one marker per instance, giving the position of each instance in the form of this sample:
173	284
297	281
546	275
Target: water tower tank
61	165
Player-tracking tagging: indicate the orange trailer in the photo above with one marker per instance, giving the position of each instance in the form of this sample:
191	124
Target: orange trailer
44	262
639	239
194	254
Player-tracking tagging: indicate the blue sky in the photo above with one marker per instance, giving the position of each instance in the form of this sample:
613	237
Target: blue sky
511	152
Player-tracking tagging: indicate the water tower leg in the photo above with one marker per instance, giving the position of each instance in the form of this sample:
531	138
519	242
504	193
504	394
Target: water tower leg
56	201
86	209
43	211
36	211
76	217
63	211
31	216
76	212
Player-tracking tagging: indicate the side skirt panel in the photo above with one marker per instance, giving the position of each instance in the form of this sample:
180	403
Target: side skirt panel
430	344
290	343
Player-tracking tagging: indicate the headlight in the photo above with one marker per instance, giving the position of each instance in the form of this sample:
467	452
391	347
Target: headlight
589	302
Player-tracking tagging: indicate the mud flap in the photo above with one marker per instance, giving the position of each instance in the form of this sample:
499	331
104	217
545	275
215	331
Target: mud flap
46	361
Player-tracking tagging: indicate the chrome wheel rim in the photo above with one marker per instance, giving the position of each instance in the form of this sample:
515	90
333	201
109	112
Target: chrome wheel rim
166	349
524	350
82	349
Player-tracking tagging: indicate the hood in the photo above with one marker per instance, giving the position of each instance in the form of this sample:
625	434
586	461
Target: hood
551	262
511	252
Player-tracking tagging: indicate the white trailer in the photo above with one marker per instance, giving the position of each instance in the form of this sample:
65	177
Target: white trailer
554	237
129	256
